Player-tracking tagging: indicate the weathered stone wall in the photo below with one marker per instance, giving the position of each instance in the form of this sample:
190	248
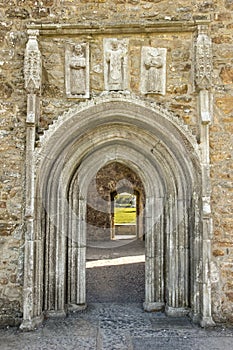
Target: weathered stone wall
180	97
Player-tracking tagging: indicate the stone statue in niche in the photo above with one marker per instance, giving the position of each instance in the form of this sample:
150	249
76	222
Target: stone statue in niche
153	70
77	70
115	64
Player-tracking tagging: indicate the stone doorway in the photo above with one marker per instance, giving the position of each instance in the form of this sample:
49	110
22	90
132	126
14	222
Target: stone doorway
163	155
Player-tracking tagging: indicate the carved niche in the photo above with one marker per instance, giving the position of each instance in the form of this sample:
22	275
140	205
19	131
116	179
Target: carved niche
115	64
77	70
153	70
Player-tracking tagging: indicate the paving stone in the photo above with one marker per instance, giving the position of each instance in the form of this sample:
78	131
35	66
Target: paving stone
118	326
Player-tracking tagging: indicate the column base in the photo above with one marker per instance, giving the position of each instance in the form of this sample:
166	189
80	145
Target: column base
31	325
55	313
207	322
176	311
196	318
76	307
153	306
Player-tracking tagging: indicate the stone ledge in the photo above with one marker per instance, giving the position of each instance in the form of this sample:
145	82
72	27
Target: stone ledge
109	28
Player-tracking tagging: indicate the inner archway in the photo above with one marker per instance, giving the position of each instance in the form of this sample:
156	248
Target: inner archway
115	268
109	182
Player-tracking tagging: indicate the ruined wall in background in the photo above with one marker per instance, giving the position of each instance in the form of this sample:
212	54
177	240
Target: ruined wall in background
180	97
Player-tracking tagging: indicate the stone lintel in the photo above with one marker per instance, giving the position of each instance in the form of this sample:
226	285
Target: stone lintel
153	306
111	28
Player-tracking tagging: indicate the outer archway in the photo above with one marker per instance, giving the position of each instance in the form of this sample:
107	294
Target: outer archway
158	148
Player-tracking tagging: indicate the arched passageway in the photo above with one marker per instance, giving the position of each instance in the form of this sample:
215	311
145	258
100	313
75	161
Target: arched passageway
111	180
115	268
162	153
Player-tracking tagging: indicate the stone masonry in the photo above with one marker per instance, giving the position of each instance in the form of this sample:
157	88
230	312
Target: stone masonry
194	96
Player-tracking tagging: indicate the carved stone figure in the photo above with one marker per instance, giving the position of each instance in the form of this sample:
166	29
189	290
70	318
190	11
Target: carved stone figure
153	70
115	64
77	70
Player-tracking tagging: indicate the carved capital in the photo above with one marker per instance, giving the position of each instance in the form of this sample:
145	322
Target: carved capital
32	63
203	76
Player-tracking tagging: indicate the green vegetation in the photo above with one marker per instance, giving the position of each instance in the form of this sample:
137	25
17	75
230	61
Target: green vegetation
125	216
125	200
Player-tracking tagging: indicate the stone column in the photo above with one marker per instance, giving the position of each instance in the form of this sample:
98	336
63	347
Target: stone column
32	75
153	251
77	251
203	85
81	254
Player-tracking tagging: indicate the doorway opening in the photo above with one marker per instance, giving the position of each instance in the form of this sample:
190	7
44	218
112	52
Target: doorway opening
115	261
125	215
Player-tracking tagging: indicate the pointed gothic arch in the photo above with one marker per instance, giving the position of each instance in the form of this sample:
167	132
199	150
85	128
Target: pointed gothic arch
162	152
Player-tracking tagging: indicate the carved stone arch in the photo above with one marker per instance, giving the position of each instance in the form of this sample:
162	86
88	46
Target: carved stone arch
162	152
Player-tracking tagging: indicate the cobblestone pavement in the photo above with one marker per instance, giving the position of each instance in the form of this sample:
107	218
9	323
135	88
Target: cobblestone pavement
114	319
114	326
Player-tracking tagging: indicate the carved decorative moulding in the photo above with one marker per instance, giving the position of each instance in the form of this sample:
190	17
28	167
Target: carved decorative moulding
203	59
115	64
32	63
77	70
153	70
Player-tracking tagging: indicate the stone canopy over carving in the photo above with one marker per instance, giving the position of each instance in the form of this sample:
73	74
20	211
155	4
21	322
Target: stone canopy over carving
32	63
115	64
153	70
77	70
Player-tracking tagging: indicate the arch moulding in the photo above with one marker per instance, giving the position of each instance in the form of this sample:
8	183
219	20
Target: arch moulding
164	154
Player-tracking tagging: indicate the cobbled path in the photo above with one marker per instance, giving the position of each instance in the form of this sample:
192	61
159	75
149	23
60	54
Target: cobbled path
115	326
115	319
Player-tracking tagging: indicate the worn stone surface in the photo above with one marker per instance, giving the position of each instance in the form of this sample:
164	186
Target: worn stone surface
118	326
180	97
